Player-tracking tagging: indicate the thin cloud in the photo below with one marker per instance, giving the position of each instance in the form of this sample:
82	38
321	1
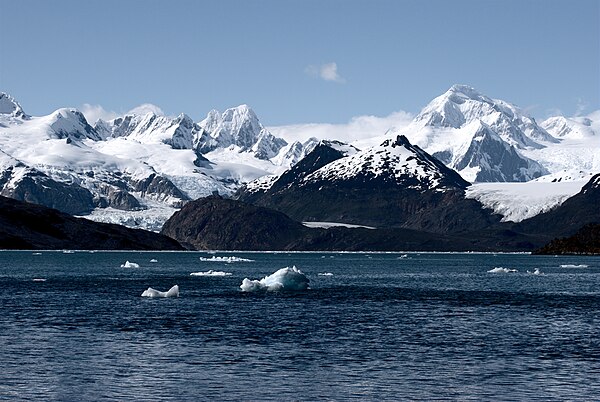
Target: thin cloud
93	113
146	108
358	130
326	72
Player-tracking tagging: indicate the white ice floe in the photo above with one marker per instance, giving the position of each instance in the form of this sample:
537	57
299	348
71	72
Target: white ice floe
283	279
500	270
573	266
228	260
173	292
36	254
39	279
325	274
130	265
153	260
403	256
211	273
537	271
68	252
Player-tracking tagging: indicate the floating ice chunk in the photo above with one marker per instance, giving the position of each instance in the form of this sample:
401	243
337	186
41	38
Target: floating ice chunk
153	260
573	266
500	270
68	252
173	292
39	279
36	254
325	274
283	279
228	260
130	265
211	273
403	256
537	271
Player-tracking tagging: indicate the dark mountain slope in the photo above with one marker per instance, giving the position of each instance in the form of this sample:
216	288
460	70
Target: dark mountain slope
30	226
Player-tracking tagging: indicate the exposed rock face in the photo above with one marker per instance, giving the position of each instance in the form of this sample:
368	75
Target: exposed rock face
160	187
30	226
585	241
36	187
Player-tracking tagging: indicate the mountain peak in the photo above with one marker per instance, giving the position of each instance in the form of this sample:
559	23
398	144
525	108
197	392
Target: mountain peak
9	106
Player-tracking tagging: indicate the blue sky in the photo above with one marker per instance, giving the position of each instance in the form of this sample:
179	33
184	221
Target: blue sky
299	61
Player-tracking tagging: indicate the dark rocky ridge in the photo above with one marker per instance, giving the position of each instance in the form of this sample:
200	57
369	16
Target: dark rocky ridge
215	223
27	226
585	241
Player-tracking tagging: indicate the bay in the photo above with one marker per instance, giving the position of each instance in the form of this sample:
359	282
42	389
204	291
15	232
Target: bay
372	326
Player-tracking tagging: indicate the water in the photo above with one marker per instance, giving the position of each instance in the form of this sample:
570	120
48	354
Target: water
382	327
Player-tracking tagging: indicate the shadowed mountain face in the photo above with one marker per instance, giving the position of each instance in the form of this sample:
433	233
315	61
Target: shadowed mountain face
215	223
585	241
393	185
30	226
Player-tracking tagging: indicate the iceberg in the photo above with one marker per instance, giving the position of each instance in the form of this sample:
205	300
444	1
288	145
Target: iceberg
211	273
573	266
173	292
228	260
283	279
500	270
130	265
537	271
153	260
325	274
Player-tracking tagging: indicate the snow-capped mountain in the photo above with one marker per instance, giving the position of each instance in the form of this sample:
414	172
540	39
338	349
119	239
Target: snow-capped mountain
9	107
136	169
240	128
394	161
573	128
394	184
480	137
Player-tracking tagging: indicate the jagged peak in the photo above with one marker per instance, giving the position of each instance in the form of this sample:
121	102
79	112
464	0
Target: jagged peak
9	106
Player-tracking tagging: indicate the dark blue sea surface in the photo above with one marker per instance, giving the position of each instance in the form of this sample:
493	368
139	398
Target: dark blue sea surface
414	326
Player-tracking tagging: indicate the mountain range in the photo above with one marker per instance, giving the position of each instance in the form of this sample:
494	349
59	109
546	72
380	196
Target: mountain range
138	169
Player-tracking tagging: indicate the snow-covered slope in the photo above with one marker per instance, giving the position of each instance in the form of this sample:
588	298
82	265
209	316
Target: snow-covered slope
480	137
395	161
519	201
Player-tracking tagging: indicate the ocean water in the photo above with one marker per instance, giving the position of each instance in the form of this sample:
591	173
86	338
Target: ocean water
397	326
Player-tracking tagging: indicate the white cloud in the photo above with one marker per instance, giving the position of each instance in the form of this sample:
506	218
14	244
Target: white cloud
361	130
94	112
326	72
146	108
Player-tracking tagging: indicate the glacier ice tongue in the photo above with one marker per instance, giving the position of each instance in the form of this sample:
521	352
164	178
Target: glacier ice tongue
285	279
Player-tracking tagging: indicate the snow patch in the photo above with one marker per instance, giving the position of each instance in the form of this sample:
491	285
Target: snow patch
327	225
